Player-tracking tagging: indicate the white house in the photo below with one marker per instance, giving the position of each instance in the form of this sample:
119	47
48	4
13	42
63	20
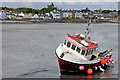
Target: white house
9	16
47	17
35	16
55	14
65	14
3	15
28	16
21	14
41	16
79	15
47	14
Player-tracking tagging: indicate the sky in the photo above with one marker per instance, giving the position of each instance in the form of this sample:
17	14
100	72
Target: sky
63	5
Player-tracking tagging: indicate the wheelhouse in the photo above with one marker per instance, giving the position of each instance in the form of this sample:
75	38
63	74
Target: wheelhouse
78	47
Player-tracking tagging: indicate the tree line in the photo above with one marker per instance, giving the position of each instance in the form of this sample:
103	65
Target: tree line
29	10
47	10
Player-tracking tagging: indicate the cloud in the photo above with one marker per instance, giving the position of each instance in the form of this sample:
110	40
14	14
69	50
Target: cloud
91	5
64	5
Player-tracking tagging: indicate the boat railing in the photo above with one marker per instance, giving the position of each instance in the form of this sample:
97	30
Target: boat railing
89	62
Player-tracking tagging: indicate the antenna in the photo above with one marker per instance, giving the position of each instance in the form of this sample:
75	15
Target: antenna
87	31
88	28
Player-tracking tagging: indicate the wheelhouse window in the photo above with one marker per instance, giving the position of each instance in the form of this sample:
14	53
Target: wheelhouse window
68	44
65	42
78	50
86	53
91	51
83	52
73	47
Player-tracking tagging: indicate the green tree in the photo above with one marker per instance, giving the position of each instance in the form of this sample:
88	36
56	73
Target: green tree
46	10
36	11
11	9
85	10
96	10
25	10
106	11
85	16
5	8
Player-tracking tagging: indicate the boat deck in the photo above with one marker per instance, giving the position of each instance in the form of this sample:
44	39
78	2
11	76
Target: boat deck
68	57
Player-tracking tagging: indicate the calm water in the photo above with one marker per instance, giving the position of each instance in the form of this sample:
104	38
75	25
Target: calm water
29	49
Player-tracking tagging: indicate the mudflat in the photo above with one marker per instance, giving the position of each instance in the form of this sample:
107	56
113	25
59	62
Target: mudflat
28	50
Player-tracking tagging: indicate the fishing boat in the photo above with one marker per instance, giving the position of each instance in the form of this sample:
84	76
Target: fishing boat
78	53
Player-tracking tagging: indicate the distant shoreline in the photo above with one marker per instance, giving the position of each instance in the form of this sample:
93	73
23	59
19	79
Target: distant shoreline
53	21
14	22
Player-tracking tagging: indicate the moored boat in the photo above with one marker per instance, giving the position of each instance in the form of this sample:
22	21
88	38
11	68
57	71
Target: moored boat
78	53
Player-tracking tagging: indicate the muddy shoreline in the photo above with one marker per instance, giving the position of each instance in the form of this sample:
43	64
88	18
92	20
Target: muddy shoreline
53	21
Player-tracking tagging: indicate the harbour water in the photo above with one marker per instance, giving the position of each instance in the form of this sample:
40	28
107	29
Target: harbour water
28	50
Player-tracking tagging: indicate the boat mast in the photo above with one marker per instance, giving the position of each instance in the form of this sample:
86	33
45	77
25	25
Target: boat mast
87	31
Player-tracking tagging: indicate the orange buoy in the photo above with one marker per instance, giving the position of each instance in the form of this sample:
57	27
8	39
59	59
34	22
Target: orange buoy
89	71
77	35
81	67
108	58
112	62
103	61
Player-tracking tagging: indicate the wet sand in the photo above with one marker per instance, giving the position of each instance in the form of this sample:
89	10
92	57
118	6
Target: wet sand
28	50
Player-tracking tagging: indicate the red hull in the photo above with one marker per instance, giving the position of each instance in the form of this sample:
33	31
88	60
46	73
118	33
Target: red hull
73	67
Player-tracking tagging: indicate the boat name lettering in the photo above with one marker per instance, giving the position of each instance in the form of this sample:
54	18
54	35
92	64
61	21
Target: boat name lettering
74	42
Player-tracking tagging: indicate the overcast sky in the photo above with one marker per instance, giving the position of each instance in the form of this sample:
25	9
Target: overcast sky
64	5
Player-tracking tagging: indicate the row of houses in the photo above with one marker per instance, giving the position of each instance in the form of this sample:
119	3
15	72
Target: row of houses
20	15
56	14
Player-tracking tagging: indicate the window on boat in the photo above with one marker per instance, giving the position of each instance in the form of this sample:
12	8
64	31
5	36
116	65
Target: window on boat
83	52
92	51
86	53
73	47
68	44
78	50
65	42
